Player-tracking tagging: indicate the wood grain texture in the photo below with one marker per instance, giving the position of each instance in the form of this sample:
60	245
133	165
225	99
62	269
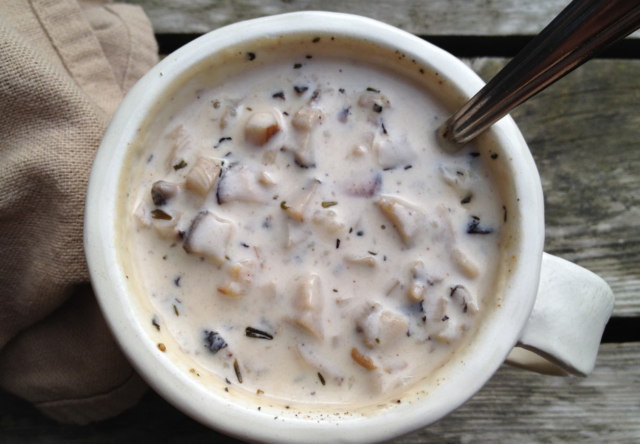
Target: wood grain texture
514	407
584	133
421	17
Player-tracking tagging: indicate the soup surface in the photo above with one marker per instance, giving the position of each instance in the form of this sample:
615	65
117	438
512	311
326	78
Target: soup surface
301	236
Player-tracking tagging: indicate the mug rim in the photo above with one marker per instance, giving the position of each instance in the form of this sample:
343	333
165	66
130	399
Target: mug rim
111	287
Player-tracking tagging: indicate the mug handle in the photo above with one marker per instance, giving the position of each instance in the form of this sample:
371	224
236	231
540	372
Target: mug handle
563	333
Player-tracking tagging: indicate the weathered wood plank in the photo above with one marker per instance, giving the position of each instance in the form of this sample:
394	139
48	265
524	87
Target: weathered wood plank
584	133
514	407
421	17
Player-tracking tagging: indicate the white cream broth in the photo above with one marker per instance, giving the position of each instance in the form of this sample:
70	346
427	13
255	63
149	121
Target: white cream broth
322	250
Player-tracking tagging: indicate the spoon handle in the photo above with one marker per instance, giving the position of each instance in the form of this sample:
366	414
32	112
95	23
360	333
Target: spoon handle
582	30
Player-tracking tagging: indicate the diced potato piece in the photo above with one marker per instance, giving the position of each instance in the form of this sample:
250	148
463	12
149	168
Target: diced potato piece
308	304
449	333
306	119
362	360
142	215
166	228
366	260
240	275
382	328
261	127
465	265
209	236
241	183
459	179
467	301
161	191
319	363
203	175
393	154
295	209
407	220
182	144
417	290
328	220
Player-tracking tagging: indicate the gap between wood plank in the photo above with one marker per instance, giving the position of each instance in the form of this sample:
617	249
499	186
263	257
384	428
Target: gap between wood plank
460	46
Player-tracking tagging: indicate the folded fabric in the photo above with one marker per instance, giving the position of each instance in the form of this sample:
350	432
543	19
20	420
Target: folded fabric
65	65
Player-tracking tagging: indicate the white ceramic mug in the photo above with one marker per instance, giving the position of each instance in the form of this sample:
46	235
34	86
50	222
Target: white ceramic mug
548	306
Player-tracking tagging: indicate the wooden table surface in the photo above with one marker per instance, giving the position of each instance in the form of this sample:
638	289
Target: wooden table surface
584	133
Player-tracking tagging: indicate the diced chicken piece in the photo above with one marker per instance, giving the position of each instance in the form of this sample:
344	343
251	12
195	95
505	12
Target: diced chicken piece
407	220
362	185
182	144
142	215
421	280
297	233
465	299
240	277
382	328
306	119
308	304
296	208
241	183
209	237
261	127
393	154
362	360
465	265
319	363
328	220
203	175
367	260
161	191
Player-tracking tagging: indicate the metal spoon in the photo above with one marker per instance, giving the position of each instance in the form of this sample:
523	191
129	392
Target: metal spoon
581	31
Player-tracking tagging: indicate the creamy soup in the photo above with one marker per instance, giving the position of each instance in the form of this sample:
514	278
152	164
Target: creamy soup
301	236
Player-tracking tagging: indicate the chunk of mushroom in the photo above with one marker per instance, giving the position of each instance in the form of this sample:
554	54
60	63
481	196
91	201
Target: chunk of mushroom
261	127
203	175
308	304
161	191
209	236
407	220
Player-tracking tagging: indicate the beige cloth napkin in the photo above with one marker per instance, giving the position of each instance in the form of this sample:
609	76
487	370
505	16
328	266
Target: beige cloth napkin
65	65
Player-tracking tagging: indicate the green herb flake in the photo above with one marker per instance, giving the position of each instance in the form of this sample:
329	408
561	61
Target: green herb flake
284	205
321	378
350	230
216	104
175	310
236	367
372	253
259	392
316	40
328	204
297	66
180	165
159	214
255	333
373	90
